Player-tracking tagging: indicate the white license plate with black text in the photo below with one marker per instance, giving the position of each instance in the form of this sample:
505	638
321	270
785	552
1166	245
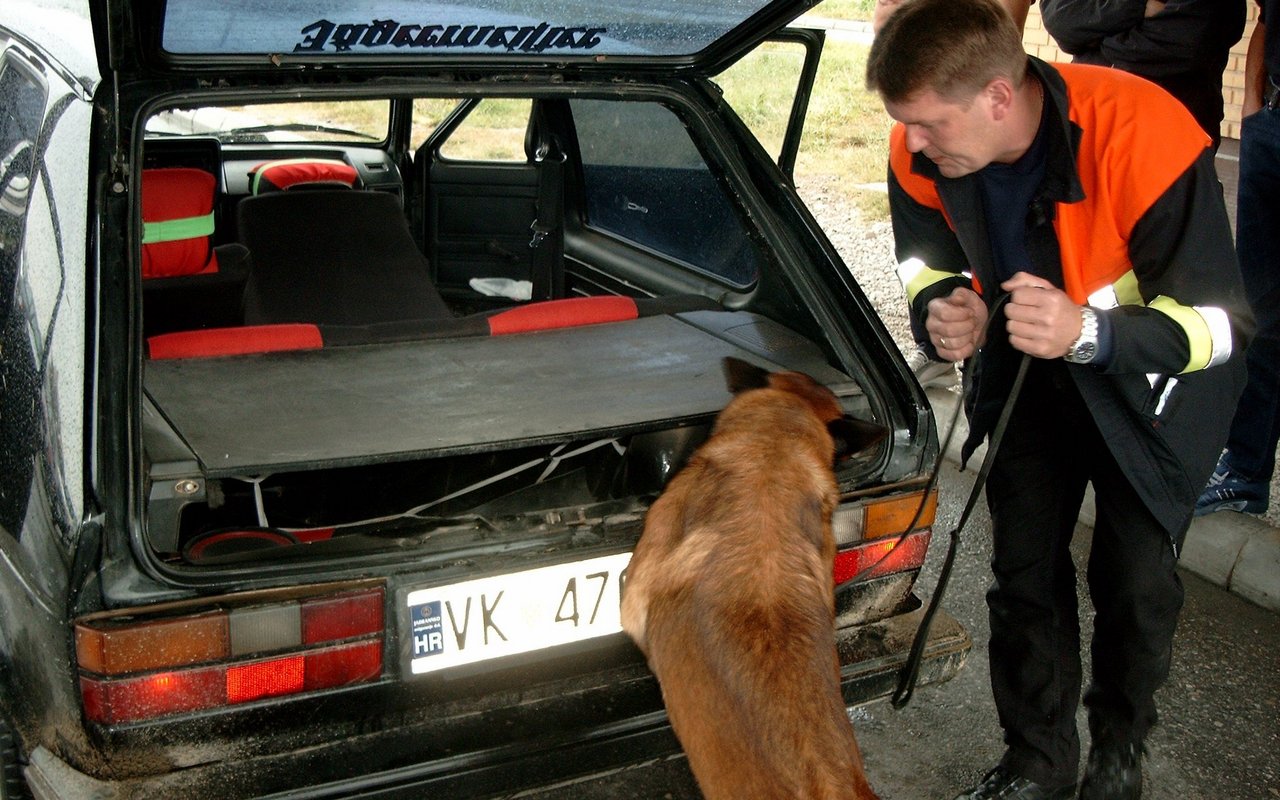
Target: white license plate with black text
487	618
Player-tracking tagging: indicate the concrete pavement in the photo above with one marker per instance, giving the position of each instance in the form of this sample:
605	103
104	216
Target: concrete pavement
1239	552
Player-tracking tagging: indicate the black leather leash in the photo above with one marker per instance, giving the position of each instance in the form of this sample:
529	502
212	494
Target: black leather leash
911	670
937	469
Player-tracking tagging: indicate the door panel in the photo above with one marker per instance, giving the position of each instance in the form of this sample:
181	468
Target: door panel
484	190
478	222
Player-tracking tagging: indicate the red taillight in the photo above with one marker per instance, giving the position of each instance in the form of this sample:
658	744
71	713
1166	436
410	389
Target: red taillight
882	557
134	669
870	540
129	699
340	666
278	676
340	618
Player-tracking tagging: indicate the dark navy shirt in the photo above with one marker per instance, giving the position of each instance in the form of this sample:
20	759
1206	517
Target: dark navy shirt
1007	194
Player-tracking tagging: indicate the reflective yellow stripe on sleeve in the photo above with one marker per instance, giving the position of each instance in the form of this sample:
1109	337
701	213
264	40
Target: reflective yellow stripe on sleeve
916	276
1208	331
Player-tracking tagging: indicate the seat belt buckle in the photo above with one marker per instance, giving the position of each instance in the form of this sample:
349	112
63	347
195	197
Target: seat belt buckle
540	234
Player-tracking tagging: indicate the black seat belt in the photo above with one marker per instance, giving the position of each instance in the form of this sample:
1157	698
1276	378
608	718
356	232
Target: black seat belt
546	263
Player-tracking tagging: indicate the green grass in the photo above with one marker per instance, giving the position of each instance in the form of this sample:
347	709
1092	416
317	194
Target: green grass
846	134
844	9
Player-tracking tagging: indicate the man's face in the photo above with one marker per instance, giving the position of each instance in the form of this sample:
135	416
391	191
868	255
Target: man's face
958	137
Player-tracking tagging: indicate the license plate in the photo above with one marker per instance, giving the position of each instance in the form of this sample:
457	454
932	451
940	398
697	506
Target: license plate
505	615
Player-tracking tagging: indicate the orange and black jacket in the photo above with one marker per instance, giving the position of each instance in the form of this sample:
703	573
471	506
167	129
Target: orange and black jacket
1130	220
1184	48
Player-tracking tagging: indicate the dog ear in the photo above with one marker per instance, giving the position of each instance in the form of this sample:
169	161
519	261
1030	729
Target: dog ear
740	376
852	435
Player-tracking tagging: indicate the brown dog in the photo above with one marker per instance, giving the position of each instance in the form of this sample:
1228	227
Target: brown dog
730	595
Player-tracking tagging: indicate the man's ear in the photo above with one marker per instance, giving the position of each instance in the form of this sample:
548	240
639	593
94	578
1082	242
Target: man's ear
852	435
740	376
999	95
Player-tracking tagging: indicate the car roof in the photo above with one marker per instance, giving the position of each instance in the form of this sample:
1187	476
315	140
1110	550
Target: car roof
60	31
200	35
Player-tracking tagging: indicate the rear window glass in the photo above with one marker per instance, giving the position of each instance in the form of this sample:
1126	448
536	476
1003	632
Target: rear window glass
357	121
657	191
482	27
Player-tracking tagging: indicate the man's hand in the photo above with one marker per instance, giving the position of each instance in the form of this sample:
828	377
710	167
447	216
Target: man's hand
1153	7
955	324
886	7
1042	320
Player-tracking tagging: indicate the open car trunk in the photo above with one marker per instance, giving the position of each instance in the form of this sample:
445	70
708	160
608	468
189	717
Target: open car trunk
453	444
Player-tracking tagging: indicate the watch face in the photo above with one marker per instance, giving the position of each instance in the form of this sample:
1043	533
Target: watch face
1086	351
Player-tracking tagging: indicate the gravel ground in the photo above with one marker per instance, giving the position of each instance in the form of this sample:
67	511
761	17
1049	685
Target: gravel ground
867	248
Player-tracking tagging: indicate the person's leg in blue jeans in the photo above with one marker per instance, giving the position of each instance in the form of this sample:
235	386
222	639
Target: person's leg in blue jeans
1241	481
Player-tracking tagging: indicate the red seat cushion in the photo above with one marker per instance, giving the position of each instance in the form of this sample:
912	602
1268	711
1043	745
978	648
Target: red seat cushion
235	341
565	313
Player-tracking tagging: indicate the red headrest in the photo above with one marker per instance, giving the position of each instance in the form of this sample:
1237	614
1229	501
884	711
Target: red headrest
290	172
176	193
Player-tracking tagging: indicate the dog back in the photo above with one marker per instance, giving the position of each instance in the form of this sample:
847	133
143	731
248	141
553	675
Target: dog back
730	596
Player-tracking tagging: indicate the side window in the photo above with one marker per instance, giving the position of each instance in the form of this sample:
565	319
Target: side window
428	113
645	181
493	131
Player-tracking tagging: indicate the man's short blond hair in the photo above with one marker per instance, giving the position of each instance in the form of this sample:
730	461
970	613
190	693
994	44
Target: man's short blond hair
954	47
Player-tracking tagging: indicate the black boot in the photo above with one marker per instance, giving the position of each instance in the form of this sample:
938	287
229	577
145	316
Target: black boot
1114	772
1001	784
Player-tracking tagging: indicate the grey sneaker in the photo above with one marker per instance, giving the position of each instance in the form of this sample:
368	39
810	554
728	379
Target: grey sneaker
931	373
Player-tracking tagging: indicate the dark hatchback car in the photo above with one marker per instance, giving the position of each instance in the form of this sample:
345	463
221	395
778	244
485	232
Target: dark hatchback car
346	344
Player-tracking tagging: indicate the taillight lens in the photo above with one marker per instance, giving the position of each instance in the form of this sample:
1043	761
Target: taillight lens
870	541
134	667
878	558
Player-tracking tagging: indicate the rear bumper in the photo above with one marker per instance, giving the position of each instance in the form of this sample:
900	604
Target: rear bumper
559	759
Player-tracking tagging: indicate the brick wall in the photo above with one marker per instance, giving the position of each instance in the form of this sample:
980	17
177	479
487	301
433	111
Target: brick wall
1040	44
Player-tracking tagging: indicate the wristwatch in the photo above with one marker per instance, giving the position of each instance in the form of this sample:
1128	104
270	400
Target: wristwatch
1085	349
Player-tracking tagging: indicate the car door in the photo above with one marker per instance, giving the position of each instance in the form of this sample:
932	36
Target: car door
489	188
46	515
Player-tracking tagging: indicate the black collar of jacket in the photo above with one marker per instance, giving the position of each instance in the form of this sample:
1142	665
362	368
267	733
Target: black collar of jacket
1061	181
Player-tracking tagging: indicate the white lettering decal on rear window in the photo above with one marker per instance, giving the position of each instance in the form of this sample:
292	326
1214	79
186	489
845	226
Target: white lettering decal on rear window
343	37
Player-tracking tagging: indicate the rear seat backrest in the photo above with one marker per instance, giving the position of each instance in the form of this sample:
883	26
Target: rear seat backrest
177	222
187	282
538	316
334	257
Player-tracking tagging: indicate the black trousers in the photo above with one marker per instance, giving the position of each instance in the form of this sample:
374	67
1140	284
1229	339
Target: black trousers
1050	452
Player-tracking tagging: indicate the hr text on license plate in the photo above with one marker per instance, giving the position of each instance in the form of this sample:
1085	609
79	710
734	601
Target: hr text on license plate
518	613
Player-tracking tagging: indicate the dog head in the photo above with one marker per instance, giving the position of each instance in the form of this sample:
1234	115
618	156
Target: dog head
850	435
